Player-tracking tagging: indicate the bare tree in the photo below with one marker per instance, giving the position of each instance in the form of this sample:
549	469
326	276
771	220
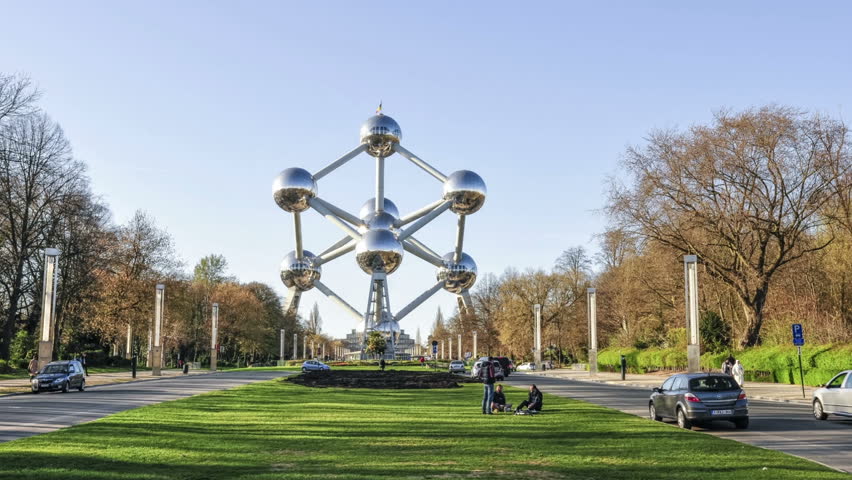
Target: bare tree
745	194
17	96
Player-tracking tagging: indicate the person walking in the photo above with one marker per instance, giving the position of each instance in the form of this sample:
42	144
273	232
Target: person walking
738	372
486	373
728	365
33	367
83	362
382	364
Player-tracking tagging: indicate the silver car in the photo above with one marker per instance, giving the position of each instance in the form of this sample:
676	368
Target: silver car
835	397
498	370
697	398
457	366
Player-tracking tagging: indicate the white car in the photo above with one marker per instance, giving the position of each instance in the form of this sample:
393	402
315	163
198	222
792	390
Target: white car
835	397
498	370
457	366
526	366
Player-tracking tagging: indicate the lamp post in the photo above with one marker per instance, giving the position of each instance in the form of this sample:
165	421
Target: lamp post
281	349
474	345
460	348
48	306
214	338
295	346
693	348
157	349
128	350
592	313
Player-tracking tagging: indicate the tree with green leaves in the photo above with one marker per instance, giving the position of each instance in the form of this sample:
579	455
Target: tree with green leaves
376	343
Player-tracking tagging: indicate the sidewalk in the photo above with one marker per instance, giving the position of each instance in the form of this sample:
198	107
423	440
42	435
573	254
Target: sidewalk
21	385
776	392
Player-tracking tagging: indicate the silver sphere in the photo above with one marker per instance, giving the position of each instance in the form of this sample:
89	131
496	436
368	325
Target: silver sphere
293	188
369	208
457	277
300	273
466	190
379	133
378	221
388	327
379	251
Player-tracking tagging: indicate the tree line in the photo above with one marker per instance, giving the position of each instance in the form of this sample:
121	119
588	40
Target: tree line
762	197
107	272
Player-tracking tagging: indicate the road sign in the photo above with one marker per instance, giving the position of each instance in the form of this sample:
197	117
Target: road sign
798	335
434	347
467	355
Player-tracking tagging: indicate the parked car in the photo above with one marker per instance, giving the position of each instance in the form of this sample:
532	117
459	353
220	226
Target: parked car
498	370
507	365
696	398
314	365
457	366
526	366
63	376
835	397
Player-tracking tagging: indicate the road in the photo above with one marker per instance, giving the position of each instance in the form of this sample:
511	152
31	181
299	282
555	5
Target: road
786	427
26	415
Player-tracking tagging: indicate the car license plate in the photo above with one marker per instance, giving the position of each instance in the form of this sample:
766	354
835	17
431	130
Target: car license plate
721	412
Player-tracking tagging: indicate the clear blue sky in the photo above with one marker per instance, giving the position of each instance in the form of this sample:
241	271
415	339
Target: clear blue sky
188	110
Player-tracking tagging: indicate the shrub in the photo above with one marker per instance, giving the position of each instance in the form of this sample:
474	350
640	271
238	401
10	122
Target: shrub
5	367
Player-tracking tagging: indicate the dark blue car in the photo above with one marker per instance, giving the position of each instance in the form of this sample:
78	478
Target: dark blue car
62	376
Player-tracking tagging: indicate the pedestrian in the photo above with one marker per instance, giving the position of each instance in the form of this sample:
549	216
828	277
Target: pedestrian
33	367
83	362
422	362
533	403
382	364
728	365
738	372
486	373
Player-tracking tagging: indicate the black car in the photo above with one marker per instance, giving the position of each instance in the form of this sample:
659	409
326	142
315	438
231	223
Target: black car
63	376
696	398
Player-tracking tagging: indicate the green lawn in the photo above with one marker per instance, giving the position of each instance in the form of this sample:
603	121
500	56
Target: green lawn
279	430
410	368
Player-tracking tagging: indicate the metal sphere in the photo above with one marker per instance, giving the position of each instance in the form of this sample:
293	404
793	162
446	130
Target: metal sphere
388	327
379	251
369	208
379	133
457	277
378	221
293	188
466	190
300	273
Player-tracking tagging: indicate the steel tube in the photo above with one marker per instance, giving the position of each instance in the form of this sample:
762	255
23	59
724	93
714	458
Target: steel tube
419	162
343	241
380	184
333	296
418	301
405	220
459	239
343	214
423	246
340	161
329	256
424	220
319	207
418	252
297	219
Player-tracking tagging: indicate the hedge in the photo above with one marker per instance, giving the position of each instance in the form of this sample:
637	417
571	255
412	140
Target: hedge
779	364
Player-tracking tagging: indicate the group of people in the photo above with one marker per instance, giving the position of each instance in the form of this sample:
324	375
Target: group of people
493	399
732	366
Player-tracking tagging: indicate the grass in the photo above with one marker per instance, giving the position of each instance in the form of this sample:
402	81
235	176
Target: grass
409	368
277	430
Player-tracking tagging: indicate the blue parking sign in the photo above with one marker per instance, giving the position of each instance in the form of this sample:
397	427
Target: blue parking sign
798	335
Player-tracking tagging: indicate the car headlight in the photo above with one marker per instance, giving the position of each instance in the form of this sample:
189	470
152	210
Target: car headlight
34	381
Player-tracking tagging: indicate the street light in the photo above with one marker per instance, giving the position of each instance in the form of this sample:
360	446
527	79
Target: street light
48	305
157	350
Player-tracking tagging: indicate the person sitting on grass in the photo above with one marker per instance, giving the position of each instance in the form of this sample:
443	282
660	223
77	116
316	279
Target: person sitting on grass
533	403
499	401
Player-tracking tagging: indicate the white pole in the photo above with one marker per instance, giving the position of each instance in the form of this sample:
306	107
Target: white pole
475	352
295	346
592	313
537	310
693	349
460	348
157	351
214	338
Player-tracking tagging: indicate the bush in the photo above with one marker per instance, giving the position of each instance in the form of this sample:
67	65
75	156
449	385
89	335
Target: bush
5	367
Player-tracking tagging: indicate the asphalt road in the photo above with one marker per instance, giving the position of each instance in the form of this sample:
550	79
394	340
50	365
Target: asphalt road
779	426
26	415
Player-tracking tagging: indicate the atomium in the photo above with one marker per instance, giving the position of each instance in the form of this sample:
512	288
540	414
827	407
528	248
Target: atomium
301	273
379	251
379	133
466	190
457	276
378	235
293	188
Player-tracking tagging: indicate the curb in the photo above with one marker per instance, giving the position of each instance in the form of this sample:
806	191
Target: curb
764	398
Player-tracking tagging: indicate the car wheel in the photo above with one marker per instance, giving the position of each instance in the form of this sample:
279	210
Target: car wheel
819	413
65	387
741	423
82	385
652	413
304	369
36	390
682	421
